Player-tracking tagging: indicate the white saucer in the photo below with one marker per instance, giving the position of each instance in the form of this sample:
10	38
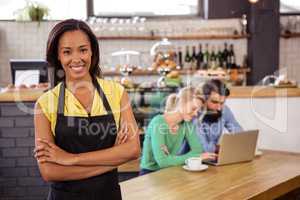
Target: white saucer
201	168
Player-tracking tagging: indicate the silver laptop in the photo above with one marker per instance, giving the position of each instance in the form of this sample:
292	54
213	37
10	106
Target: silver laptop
235	148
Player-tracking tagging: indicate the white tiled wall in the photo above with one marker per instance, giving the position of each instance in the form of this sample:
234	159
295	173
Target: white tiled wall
290	58
21	40
27	40
289	48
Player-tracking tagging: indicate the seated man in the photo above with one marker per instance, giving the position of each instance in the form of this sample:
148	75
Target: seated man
211	123
216	116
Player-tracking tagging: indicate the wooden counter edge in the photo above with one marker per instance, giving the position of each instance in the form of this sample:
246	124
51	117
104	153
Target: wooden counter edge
131	166
236	92
19	96
278	190
284	187
263	92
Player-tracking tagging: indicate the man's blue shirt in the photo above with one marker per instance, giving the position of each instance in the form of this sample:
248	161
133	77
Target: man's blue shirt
209	133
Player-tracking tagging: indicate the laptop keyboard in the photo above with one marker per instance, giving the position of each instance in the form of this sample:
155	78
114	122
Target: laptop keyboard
211	160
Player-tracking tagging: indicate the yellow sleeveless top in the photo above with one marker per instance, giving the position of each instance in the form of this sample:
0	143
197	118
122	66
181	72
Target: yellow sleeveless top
112	90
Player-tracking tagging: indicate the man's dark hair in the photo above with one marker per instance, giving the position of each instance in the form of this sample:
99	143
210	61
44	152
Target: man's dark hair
215	85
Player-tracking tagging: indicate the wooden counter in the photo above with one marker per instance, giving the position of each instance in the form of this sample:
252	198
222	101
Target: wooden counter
25	95
263	92
236	92
267	177
131	166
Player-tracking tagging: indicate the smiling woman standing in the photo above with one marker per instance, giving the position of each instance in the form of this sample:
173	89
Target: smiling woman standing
84	126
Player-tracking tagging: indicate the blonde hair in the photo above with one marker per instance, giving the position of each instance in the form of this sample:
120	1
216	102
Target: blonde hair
184	95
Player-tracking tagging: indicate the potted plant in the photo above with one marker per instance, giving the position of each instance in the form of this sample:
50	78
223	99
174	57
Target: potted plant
33	11
37	11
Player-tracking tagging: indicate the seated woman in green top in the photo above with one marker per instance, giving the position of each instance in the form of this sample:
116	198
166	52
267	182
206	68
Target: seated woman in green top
166	132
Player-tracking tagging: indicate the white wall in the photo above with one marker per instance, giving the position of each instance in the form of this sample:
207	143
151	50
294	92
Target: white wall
290	58
21	40
276	118
289	48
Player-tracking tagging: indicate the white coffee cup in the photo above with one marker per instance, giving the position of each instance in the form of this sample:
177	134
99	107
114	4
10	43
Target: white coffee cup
193	163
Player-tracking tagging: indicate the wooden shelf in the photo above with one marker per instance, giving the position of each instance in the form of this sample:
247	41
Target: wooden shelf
145	72
136	72
152	89
191	37
290	35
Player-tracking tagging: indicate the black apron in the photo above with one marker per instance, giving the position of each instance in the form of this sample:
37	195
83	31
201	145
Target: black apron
85	134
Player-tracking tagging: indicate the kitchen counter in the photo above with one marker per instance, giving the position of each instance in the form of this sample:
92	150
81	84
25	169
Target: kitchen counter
28	95
236	92
263	92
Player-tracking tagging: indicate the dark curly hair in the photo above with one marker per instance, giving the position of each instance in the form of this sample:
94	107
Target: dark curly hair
215	85
52	46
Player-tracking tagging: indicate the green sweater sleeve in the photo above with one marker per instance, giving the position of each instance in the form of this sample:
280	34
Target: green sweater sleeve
193	141
164	160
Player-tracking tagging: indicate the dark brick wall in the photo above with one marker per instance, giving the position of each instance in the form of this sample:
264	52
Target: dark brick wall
19	175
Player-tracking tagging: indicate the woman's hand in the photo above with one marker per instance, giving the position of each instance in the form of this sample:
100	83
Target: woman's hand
122	135
164	148
208	156
47	151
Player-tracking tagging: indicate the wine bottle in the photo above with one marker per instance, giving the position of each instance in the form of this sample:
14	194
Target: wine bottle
179	58
220	61
206	56
225	56
232	56
200	58
213	58
187	58
194	58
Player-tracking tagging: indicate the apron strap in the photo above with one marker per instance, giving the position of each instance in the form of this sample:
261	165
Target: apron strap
102	95
61	98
